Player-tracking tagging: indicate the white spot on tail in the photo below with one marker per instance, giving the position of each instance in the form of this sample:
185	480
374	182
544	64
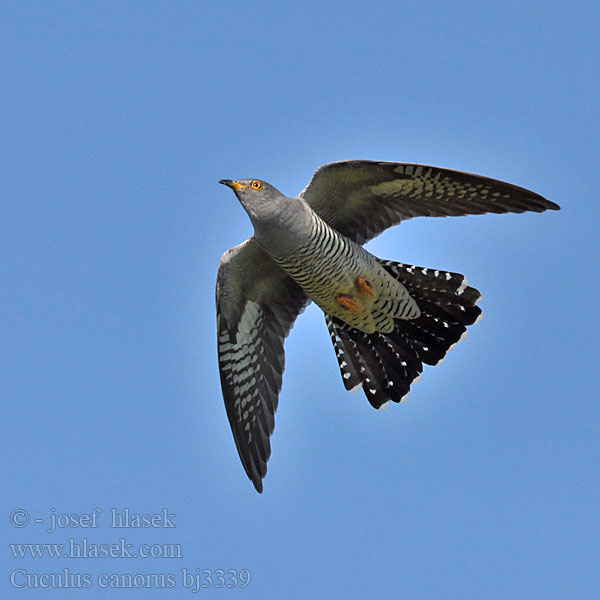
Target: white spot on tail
384	406
463	286
355	389
478	319
405	397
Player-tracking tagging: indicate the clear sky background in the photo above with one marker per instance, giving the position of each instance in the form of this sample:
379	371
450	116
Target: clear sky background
117	119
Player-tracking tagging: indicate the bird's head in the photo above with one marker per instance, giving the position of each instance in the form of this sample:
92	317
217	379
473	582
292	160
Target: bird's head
260	199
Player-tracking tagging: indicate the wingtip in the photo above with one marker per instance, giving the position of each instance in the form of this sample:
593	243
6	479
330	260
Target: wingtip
544	204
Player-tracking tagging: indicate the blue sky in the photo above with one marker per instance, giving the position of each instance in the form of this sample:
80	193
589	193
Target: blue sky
118	119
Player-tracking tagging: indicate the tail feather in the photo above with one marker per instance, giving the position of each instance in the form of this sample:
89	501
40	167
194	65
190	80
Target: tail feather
347	355
387	364
384	368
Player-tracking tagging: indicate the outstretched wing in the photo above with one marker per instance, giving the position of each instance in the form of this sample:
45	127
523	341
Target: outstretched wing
362	198
257	304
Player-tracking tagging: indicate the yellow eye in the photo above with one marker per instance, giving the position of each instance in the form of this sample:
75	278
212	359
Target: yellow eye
256	185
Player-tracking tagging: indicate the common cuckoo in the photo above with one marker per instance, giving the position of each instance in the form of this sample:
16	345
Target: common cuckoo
385	318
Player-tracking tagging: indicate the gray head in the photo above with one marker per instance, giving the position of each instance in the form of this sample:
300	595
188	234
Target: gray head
260	199
281	224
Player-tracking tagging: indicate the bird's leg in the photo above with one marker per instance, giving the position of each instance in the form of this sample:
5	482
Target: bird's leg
365	286
347	302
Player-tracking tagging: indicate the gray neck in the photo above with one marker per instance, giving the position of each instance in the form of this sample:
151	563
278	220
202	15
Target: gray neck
286	230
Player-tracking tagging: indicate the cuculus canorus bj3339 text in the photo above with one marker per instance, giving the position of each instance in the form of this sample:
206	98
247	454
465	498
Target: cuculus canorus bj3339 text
385	318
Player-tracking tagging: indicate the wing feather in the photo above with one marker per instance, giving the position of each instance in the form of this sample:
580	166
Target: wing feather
363	198
257	304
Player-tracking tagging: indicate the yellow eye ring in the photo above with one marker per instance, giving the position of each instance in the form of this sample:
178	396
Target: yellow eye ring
256	185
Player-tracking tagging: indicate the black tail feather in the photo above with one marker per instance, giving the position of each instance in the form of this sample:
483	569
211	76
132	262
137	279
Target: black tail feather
387	364
384	368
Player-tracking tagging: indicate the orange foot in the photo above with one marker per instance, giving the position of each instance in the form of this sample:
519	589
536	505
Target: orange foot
365	286
348	302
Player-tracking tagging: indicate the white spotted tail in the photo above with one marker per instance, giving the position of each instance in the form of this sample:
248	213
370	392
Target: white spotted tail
386	365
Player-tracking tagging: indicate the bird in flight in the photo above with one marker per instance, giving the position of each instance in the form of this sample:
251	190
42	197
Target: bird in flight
385	318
